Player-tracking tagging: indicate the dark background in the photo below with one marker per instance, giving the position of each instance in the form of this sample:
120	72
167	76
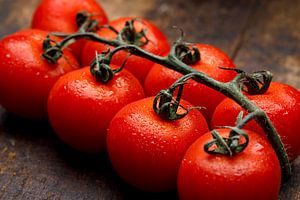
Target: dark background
34	164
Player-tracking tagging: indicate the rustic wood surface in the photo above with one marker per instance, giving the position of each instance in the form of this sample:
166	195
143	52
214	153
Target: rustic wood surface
34	164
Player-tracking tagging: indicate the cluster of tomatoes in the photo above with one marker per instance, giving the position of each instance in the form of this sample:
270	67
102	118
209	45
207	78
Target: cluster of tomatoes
148	152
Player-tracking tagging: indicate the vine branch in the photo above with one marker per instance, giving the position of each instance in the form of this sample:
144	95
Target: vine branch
257	82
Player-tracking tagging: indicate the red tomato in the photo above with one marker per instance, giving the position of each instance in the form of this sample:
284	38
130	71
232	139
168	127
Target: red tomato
60	15
138	66
25	77
281	103
212	58
146	150
251	174
80	108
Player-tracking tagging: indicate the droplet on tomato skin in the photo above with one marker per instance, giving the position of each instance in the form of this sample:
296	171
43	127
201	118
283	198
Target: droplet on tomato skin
8	55
46	76
258	147
37	74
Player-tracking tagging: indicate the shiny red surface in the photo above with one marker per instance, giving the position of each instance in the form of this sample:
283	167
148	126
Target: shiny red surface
145	150
25	77
80	108
252	174
281	103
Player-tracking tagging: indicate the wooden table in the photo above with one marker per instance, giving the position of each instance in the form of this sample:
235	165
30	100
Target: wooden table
34	164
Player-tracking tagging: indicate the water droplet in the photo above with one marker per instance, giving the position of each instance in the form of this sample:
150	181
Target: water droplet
257	147
7	55
46	76
65	87
38	73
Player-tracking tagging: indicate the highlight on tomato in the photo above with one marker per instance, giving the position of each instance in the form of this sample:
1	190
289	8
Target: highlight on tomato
281	103
210	59
251	174
137	31
25	76
62	16
80	107
146	150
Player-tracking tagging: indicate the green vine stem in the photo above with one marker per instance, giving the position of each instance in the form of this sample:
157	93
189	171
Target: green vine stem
230	89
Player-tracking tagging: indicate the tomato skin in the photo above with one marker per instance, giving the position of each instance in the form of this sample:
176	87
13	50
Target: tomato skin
281	103
212	58
252	174
80	109
145	150
59	16
25	77
138	66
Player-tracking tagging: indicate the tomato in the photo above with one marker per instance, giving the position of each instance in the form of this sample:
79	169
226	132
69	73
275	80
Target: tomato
146	150
158	45
25	77
251	174
80	108
60	16
281	103
212	58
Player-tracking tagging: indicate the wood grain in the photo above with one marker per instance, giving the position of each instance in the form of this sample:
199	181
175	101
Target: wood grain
272	41
34	164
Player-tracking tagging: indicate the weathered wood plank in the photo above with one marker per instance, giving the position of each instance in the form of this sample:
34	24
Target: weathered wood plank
272	41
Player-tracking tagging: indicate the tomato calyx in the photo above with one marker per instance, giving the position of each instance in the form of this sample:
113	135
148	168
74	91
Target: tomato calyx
130	35
187	54
100	68
166	106
85	23
237	140
257	82
234	144
51	52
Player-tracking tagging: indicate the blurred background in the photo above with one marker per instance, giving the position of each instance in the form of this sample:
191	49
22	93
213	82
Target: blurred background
255	34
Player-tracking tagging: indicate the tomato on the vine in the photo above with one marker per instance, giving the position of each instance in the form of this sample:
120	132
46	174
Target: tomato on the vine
158	44
80	108
211	59
60	16
25	77
282	105
146	150
251	174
